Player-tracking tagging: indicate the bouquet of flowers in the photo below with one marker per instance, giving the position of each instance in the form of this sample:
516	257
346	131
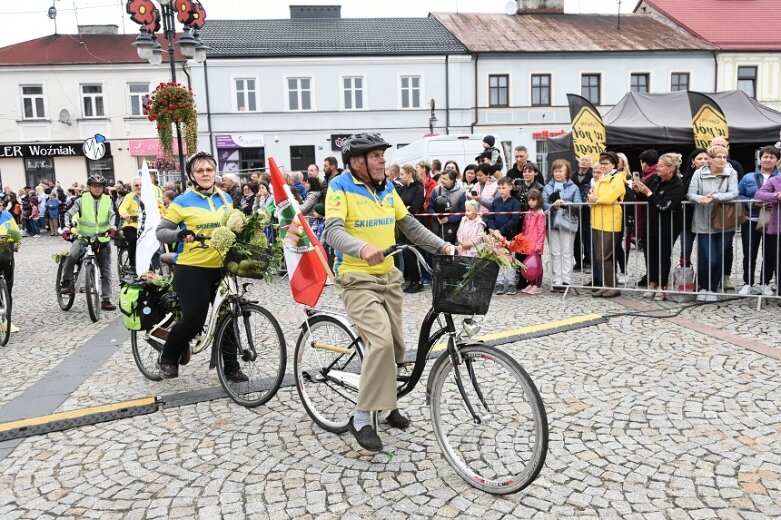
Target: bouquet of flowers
9	243
245	246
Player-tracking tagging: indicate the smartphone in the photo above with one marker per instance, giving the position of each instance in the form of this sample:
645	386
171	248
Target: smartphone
636	176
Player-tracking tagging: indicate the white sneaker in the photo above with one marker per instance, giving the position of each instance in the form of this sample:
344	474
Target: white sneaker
711	297
745	290
621	278
702	296
726	284
766	290
648	294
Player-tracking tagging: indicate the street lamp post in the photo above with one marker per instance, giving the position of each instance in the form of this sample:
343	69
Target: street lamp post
192	16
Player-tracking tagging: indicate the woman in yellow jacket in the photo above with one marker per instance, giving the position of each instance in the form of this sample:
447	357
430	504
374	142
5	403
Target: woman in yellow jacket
607	220
129	212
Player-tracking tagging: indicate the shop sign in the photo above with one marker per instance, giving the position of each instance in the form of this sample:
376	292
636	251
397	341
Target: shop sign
45	150
239	141
337	141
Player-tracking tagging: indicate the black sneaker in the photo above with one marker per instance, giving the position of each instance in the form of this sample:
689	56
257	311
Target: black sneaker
367	437
414	288
168	370
236	376
396	420
66	287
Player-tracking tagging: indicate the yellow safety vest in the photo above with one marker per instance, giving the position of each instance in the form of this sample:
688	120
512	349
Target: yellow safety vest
90	224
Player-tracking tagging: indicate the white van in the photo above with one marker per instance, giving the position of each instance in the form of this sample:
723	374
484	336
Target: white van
459	148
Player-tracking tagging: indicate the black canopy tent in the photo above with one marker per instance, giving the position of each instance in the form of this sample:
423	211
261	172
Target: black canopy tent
663	122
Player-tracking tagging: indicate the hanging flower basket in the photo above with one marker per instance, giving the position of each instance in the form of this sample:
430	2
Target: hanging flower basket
173	104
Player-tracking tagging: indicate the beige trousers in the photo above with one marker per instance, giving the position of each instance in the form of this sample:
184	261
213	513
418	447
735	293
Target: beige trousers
373	302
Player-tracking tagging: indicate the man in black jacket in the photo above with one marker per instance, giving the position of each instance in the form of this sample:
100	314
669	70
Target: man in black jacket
582	179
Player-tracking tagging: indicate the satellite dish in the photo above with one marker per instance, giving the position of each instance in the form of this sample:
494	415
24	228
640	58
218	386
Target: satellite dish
65	117
511	7
52	12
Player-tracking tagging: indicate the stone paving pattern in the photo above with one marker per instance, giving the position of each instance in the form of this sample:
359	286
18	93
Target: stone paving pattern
648	419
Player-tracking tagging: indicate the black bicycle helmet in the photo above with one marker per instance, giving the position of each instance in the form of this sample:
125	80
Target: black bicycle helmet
361	144
96	178
442	204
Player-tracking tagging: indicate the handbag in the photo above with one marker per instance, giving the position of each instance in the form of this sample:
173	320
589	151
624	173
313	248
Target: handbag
728	215
565	221
683	281
764	218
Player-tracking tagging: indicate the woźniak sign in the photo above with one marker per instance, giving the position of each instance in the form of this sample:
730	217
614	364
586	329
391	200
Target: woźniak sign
8	151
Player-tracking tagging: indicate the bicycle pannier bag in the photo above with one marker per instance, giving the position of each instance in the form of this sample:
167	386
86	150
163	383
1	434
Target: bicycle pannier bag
129	299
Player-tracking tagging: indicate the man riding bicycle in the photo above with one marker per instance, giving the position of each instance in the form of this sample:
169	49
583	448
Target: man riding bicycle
362	211
96	218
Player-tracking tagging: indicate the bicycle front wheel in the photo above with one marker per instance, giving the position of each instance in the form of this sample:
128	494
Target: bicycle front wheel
327	367
65	301
92	291
123	263
503	449
253	344
5	314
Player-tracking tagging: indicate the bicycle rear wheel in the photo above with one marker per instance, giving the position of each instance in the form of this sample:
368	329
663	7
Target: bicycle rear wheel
146	349
255	345
504	451
92	291
5	314
327	367
65	301
123	263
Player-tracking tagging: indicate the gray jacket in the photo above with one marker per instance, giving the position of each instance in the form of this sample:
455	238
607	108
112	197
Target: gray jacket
724	188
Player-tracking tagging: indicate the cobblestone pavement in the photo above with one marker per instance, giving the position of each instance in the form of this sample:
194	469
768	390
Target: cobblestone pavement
649	418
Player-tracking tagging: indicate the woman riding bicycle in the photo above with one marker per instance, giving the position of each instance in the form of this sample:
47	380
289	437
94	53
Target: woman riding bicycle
198	269
362	211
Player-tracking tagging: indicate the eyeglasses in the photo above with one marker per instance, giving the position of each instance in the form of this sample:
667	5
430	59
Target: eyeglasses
606	164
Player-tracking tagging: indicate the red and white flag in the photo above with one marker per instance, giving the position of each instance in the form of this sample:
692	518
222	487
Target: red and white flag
305	260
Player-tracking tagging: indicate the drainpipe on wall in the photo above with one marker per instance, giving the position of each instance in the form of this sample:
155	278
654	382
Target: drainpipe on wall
447	94
472	126
715	71
208	108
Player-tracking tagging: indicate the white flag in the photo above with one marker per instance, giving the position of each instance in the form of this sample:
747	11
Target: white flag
149	217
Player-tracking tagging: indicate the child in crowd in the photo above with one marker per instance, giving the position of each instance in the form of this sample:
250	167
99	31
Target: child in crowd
504	217
534	230
495	158
470	230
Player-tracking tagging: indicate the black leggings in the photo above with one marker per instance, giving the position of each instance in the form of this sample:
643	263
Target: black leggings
195	288
131	237
8	272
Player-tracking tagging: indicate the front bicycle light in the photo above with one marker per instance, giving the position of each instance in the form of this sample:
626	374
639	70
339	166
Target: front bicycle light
469	328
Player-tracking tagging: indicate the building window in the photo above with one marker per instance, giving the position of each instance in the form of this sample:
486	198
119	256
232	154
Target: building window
301	157
246	95
679	81
589	88
542	156
747	80
638	83
498	90
299	93
32	102
541	90
410	92
139	95
92	101
353	93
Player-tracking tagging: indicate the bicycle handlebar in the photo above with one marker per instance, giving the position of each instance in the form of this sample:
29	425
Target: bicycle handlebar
398	248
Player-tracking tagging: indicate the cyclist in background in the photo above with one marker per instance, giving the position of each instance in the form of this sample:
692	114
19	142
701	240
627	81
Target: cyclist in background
130	211
96	217
362	211
8	223
198	269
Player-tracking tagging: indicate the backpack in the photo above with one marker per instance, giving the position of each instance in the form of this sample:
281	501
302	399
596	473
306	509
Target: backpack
140	306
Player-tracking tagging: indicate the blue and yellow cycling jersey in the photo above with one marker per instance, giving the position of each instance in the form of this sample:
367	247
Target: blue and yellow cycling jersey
7	223
200	214
368	216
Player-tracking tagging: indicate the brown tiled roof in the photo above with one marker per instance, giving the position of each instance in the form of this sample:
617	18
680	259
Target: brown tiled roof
749	25
72	49
565	33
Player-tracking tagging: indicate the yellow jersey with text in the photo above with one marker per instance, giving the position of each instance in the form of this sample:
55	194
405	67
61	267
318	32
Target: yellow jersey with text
368	216
200	214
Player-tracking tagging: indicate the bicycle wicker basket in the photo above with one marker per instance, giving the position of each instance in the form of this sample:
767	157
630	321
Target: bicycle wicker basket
256	264
463	284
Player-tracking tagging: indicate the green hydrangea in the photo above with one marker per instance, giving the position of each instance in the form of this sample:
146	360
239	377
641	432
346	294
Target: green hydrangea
262	217
259	240
227	214
223	239
236	222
